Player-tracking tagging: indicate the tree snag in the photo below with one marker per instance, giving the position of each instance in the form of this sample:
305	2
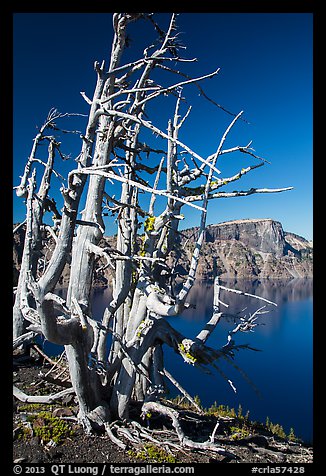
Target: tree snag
118	359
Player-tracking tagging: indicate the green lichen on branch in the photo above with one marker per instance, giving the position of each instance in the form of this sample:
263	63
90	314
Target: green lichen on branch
149	224
140	328
187	356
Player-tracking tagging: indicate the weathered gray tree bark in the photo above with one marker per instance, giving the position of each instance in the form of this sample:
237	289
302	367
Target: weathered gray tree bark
108	378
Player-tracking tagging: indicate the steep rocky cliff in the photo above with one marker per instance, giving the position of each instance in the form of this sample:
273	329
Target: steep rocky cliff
250	248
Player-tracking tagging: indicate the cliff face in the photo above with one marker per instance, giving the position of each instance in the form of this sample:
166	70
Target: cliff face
262	235
250	249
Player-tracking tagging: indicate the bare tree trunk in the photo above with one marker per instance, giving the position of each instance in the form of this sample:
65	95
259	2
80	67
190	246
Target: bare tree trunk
84	380
33	236
19	322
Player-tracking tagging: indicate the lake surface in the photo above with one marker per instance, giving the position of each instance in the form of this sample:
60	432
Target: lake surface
282	369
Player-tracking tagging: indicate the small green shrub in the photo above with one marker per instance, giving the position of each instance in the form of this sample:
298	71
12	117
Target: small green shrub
32	407
152	453
47	427
275	428
237	432
291	436
221	410
24	432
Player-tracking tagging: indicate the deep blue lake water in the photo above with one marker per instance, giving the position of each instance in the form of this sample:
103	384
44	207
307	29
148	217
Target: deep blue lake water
282	370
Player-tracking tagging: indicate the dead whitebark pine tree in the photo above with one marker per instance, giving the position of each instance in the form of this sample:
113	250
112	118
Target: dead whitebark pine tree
108	378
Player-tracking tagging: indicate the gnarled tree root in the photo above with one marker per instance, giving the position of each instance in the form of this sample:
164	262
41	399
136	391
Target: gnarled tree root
184	440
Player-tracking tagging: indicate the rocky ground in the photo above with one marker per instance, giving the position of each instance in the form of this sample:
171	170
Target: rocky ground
35	441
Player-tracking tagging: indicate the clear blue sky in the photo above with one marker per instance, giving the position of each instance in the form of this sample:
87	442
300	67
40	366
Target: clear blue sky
266	70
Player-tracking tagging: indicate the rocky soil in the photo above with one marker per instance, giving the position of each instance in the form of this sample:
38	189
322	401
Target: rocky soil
248	442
